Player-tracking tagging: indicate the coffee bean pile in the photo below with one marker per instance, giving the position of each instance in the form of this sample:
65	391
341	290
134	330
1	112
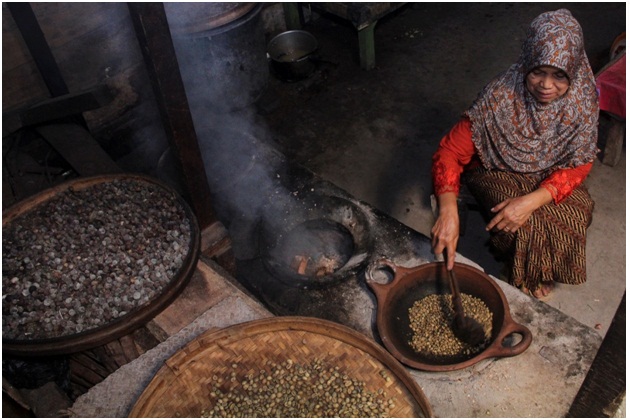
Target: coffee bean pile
289	389
87	257
431	319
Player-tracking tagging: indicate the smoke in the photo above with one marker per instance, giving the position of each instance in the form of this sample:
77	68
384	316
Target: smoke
248	178
243	166
223	64
224	73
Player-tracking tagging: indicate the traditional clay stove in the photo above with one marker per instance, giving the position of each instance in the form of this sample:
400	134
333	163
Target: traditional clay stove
311	252
300	243
327	240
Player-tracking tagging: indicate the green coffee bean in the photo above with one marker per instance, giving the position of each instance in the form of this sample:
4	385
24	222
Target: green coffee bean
431	320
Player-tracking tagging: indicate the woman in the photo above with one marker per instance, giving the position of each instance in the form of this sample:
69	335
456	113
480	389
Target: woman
523	150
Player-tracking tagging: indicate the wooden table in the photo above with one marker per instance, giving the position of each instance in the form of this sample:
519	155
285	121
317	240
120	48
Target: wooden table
363	17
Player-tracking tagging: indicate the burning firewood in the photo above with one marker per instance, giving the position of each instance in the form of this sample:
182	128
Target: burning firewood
326	266
323	266
299	264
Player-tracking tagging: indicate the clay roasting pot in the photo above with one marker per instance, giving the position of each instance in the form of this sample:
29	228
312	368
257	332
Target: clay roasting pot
411	284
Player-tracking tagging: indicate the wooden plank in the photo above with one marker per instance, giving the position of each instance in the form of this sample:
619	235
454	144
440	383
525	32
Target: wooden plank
212	235
144	340
80	385
206	289
152	31
56	108
217	245
227	261
218	248
79	149
84	375
66	106
129	347
604	387
157	331
38	47
86	360
102	354
64	22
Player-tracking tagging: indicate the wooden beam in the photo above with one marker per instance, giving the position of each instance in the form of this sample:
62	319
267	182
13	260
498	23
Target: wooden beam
152	30
77	146
38	47
604	387
66	106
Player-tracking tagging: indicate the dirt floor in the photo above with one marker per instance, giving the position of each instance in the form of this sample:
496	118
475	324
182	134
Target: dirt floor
373	133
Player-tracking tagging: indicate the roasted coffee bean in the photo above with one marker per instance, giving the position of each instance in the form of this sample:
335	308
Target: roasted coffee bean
83	250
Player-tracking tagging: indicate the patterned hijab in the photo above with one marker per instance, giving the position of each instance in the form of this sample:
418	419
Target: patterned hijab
513	131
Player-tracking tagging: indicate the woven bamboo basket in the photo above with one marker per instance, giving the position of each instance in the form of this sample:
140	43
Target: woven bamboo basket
182	387
123	325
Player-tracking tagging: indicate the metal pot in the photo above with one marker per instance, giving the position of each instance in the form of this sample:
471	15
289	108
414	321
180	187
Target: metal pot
411	284
291	55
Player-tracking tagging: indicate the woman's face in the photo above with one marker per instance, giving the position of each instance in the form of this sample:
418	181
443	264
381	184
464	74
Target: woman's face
547	83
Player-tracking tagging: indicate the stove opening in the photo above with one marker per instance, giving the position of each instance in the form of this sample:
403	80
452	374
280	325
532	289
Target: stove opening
314	249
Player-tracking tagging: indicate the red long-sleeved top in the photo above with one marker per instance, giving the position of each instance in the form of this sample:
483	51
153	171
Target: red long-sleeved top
457	152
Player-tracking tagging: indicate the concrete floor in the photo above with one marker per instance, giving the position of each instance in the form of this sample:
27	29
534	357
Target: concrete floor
373	133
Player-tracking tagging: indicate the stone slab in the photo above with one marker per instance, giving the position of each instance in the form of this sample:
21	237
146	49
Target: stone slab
541	382
115	396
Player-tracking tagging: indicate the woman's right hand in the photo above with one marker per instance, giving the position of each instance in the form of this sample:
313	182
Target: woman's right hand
445	231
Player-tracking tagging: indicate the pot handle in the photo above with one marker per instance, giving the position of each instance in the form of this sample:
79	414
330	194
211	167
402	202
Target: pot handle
501	350
381	289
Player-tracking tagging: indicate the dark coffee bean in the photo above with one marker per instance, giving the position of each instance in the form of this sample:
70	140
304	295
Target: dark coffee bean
77	253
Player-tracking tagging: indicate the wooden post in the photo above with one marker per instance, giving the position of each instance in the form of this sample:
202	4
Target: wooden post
292	15
152	30
367	54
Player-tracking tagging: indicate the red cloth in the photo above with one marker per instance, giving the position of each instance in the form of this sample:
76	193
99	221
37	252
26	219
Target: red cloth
457	152
611	85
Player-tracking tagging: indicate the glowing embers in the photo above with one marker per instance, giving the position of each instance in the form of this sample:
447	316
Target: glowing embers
315	248
326	243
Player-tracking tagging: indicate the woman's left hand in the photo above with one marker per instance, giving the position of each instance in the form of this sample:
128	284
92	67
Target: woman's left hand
512	213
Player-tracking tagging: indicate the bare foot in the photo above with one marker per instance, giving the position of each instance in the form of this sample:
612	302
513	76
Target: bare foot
539	294
546	288
542	292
